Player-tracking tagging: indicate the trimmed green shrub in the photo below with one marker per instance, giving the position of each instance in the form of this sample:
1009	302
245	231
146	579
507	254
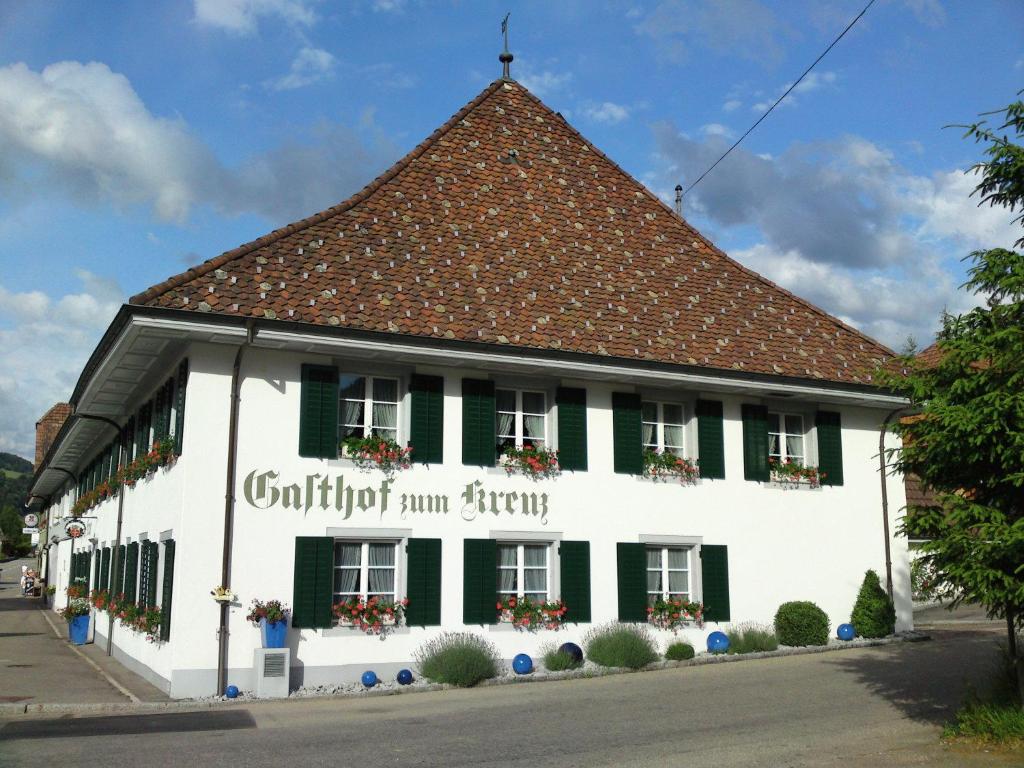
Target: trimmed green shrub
679	652
556	660
620	645
873	614
458	658
801	622
752	638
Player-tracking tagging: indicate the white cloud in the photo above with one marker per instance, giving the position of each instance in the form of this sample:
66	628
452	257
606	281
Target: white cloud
813	82
388	6
241	17
309	66
716	129
44	344
82	131
731	105
544	84
607	112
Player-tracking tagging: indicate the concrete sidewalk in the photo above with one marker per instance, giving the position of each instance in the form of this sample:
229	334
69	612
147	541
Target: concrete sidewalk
40	666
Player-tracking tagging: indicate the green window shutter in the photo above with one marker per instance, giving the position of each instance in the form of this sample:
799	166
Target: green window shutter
423	563
105	569
143	423
131	571
710	439
480	581
96	556
574	573
154	562
119	570
426	419
160	425
714	563
144	571
318	412
130	442
572	428
755	443
479	444
179	406
627	434
830	447
313	589
168	589
631	560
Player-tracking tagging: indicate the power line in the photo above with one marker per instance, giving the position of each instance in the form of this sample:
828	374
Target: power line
784	95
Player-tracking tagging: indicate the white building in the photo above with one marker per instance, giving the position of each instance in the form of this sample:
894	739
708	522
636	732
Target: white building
503	283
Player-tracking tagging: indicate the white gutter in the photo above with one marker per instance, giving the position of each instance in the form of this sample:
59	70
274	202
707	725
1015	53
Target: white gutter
581	369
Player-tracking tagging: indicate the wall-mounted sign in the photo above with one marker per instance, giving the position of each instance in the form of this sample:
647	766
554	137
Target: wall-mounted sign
264	490
31	520
29	531
74	528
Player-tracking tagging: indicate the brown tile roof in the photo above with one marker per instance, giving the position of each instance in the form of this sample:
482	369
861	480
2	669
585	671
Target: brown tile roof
507	226
930	356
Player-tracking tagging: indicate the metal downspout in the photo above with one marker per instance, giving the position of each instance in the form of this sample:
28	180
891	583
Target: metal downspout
229	507
885	497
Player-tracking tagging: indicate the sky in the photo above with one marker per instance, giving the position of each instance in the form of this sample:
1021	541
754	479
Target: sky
138	139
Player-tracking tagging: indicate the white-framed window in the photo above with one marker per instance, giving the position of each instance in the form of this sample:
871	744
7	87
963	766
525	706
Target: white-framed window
663	427
364	569
786	437
521	418
523	570
668	573
369	406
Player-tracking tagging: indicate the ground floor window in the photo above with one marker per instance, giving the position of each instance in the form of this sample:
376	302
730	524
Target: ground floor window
365	569
668	573
523	571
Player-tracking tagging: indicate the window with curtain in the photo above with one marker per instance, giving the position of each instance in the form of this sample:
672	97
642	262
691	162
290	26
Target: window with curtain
523	571
662	427
786	437
369	406
521	418
364	569
668	573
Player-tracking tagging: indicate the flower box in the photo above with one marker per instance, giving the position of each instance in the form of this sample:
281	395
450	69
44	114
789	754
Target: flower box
790	474
665	465
160	455
675	613
525	614
531	461
373	616
375	452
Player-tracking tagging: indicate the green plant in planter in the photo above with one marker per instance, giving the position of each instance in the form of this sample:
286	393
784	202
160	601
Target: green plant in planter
271	610
679	652
801	623
77	606
873	614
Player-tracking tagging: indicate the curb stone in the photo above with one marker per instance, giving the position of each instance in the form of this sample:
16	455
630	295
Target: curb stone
542	677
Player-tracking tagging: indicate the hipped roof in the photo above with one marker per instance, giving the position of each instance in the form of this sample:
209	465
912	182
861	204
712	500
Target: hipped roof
507	226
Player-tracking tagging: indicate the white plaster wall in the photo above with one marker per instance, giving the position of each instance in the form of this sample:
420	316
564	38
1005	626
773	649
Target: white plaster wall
783	544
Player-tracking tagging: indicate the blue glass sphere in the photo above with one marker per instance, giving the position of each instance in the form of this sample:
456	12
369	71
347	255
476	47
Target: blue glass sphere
231	691
369	678
572	650
846	632
718	642
522	664
404	677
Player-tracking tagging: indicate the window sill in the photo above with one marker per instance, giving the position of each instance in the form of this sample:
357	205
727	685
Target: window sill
791	485
348	631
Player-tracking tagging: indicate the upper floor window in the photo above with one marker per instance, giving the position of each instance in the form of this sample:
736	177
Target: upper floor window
523	571
662	427
369	406
521	417
364	569
786	438
668	573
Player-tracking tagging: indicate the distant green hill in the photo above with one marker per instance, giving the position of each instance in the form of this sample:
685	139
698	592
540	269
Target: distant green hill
15	478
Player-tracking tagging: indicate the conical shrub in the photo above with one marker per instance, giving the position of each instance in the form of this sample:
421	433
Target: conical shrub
873	614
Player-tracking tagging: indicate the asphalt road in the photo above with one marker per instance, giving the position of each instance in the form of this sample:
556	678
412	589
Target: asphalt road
865	707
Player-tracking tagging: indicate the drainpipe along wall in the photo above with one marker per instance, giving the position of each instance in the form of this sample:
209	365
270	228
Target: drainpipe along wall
229	507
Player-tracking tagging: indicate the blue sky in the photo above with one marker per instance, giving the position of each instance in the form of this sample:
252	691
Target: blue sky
139	138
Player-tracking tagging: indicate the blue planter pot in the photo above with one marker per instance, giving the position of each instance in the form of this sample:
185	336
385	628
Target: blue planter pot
78	630
274	633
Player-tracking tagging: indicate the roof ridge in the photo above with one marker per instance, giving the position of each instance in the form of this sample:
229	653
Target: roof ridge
217	261
680	221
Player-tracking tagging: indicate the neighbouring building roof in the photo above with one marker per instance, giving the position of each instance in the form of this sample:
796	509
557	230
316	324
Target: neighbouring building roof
506	226
47	429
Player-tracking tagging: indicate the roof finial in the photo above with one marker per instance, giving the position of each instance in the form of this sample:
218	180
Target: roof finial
505	58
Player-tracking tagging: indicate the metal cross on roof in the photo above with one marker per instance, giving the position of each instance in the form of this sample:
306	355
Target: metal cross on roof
506	57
